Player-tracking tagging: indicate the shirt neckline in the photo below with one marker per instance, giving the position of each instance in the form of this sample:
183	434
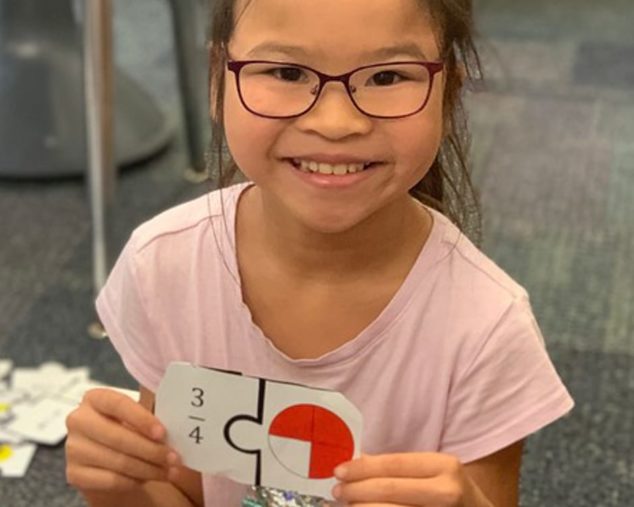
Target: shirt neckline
429	255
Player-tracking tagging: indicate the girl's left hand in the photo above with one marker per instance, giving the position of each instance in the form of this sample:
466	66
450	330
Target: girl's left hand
409	479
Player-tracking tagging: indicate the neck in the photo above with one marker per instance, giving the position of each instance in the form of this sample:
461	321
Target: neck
391	236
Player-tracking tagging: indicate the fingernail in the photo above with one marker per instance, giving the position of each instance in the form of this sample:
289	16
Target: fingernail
340	472
172	458
336	491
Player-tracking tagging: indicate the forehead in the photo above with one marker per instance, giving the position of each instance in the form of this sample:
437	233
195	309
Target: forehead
334	30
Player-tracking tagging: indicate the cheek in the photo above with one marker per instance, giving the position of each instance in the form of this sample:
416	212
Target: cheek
249	137
418	140
421	137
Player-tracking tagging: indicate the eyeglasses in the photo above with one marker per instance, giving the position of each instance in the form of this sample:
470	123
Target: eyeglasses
385	90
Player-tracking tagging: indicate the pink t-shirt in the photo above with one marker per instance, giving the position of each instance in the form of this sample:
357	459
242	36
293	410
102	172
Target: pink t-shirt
455	363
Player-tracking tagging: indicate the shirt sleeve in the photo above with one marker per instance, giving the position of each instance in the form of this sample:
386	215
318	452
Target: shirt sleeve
123	313
507	391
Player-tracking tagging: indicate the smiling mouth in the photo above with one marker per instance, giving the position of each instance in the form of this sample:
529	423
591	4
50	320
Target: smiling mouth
309	166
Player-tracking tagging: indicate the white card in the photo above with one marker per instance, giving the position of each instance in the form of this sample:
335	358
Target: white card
257	431
13	396
6	412
134	395
7	437
6	366
74	392
42	421
49	378
9	398
15	459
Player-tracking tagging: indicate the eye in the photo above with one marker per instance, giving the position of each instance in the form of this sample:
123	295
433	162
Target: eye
386	78
291	74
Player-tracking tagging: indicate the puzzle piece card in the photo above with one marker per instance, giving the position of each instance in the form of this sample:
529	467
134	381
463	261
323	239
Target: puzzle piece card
257	431
42	421
15	459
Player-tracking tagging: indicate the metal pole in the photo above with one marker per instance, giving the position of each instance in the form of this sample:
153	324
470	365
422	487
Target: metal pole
99	83
185	23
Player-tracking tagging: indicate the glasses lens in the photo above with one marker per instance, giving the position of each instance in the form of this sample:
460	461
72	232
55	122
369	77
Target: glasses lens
277	90
391	89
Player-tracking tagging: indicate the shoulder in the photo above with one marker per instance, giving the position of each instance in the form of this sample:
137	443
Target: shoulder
473	272
179	242
470	297
186	219
476	301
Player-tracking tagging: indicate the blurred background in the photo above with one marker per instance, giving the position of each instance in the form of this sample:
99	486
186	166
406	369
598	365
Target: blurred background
553	159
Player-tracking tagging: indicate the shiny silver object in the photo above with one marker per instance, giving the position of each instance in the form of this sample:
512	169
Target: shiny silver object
270	497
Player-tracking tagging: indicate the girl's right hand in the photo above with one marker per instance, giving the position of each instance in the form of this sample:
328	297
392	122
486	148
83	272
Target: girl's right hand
114	444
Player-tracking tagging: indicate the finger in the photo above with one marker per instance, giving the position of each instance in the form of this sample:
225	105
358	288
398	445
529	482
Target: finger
122	408
88	453
389	491
413	465
95	479
94	426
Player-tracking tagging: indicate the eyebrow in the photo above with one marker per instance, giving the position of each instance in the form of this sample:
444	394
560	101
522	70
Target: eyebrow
407	49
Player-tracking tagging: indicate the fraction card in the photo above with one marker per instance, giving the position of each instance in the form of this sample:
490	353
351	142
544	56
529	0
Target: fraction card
257	431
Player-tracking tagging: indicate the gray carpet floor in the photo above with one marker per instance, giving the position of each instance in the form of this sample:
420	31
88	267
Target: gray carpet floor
554	161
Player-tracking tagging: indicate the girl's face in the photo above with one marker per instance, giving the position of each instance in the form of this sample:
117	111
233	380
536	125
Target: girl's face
333	36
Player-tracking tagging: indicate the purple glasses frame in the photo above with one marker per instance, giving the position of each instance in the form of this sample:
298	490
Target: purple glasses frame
236	66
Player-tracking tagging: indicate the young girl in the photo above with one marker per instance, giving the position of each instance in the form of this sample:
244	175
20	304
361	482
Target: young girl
336	266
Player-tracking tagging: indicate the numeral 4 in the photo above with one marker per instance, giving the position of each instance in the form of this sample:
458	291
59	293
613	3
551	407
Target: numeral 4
195	434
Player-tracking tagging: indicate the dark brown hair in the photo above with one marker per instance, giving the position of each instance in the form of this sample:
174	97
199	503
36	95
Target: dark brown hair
447	186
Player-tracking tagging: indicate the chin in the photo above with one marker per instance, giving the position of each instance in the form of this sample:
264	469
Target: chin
330	223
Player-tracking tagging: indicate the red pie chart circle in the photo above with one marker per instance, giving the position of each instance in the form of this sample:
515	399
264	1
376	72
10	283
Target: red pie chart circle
310	441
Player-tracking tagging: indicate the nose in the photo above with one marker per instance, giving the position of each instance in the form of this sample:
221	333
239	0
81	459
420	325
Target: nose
334	115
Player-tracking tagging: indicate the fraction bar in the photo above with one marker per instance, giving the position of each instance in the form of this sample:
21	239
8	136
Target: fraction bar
196	418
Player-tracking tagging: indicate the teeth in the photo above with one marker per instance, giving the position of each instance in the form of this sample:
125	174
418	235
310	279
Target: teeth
337	169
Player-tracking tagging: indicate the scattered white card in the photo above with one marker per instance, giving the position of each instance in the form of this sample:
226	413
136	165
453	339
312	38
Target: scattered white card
257	431
7	437
42	421
6	365
49	378
34	405
9	398
134	395
15	459
12	396
74	392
